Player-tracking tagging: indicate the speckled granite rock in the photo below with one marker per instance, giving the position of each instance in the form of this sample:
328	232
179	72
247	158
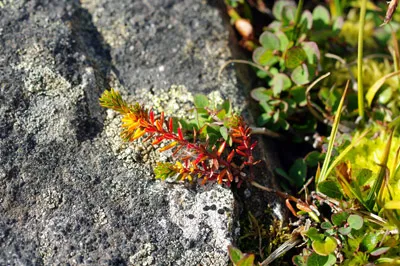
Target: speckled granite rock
71	192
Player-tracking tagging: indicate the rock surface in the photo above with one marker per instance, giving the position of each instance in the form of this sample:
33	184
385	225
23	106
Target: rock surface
71	192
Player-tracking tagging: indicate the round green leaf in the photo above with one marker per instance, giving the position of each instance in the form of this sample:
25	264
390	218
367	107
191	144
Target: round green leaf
288	14
300	75
264	56
369	242
324	247
314	235
339	218
321	17
317	260
355	221
312	52
283	40
278	7
269	41
260	94
326	225
280	82
294	57
200	101
344	230
306	19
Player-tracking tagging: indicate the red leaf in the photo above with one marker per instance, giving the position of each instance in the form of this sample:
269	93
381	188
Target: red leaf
151	114
180	133
241	153
221	148
230	156
171	125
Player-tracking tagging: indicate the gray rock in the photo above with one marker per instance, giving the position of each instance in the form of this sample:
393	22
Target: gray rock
71	192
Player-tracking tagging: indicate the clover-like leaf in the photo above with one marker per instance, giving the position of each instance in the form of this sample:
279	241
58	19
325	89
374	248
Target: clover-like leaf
269	40
278	8
294	57
300	75
280	82
264	56
321	17
312	52
260	94
317	260
324	247
339	218
355	221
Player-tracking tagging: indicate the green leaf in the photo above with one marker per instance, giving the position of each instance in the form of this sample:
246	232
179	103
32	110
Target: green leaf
288	14
278	7
294	57
200	101
227	106
344	230
325	247
283	41
312	52
300	75
299	260
339	218
264	57
326	225
247	260
260	94
298	172
314	235
317	260
264	119
313	158
385	96
321	18
306	19
280	82
355	221
235	254
330	188
299	95
369	242
269	41
224	132
380	251
376	86
282	173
